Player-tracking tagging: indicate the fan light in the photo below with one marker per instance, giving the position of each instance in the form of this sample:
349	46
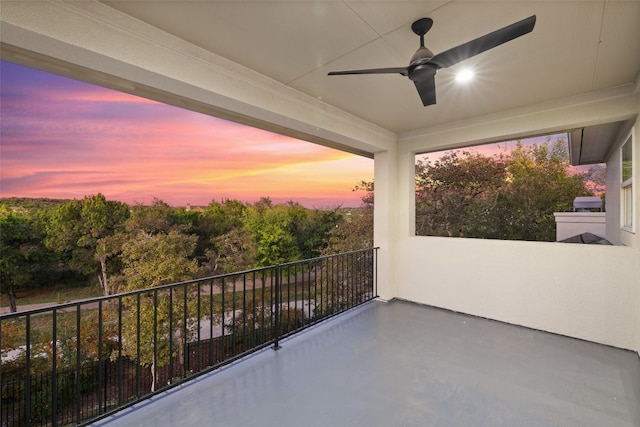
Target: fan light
465	75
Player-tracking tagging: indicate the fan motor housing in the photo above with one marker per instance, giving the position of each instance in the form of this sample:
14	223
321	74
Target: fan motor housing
423	54
421	71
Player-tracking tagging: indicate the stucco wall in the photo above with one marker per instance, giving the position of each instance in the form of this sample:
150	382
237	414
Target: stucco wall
583	291
636	150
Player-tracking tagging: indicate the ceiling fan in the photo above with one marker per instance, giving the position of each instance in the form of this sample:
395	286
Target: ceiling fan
424	64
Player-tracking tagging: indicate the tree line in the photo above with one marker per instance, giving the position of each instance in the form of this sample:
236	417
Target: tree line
124	248
508	196
462	194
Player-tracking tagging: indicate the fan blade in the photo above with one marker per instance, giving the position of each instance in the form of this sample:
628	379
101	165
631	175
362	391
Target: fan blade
396	70
427	89
481	44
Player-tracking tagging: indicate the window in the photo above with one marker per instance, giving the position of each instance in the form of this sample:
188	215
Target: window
626	196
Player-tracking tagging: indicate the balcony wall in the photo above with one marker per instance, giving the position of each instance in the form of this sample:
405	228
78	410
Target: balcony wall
585	291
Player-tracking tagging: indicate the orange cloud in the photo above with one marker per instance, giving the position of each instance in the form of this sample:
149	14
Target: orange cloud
67	139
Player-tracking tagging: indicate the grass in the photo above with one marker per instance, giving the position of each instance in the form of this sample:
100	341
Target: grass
57	294
41	324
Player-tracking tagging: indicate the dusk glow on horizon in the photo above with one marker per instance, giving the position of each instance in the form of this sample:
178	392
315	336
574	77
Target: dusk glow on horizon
61	138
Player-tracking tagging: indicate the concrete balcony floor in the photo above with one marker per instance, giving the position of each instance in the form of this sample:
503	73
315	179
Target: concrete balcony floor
403	364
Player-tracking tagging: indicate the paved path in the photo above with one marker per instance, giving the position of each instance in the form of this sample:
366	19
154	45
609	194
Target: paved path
238	286
6	309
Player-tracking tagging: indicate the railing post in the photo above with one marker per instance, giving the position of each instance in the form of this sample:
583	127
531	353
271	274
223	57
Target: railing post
375	275
276	319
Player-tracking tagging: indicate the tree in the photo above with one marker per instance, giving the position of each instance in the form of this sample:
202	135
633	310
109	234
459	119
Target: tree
338	289
509	196
539	184
220	229
152	260
456	193
271	229
312	228
232	251
355	230
157	218
22	254
596	179
225	216
89	232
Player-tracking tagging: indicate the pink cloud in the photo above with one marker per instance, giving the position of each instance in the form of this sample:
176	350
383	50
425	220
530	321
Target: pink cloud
62	138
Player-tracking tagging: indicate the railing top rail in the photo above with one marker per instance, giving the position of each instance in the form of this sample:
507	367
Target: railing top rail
106	298
284	264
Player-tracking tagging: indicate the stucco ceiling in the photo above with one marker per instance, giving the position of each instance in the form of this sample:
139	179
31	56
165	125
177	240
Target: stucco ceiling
576	47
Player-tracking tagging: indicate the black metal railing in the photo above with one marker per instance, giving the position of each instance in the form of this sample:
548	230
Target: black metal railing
77	362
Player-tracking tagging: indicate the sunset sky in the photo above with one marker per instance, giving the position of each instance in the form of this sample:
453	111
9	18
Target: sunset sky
60	138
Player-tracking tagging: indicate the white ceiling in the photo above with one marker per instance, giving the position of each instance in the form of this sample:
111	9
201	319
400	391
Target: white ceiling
576	47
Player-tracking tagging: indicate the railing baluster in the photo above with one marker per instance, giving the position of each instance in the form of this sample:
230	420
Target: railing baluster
27	397
120	361
154	367
211	360
309	291
295	295
138	349
276	314
169	380
233	315
254	314
288	303
184	333
54	367
263	332
101	365
375	269
223	353
338	281
78	365
244	308
334	283
3	386
199	317
354	275
322	290
272	301
357	268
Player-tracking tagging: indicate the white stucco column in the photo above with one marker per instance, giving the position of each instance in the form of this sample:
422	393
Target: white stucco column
636	185
385	220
